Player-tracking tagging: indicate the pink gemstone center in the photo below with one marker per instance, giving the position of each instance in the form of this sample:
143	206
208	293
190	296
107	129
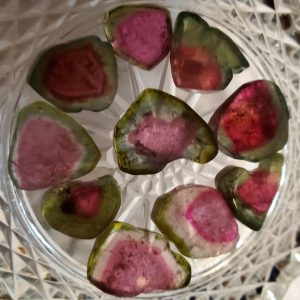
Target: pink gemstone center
135	267
259	190
210	216
161	139
47	153
144	36
250	120
75	74
85	200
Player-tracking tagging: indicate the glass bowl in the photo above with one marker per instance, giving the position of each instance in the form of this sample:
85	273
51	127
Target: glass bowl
43	263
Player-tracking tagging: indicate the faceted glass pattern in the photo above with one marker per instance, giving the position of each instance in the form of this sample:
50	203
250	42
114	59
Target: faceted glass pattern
38	263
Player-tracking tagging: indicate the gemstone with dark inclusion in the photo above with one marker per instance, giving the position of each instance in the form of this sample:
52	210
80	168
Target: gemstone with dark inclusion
197	220
48	148
140	34
127	261
159	128
78	75
250	194
203	57
252	123
82	209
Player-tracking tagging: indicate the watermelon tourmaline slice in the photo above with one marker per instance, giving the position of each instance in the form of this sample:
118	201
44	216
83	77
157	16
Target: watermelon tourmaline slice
250	194
157	129
78	75
197	220
82	209
252	123
140	34
127	261
48	148
203	57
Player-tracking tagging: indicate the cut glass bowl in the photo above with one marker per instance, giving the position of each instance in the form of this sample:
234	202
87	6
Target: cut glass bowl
41	263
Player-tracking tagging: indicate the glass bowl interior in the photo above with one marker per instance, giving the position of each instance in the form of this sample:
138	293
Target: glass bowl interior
139	192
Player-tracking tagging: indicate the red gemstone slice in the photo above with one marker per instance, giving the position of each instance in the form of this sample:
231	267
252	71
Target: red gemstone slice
259	190
76	74
195	68
250	120
86	200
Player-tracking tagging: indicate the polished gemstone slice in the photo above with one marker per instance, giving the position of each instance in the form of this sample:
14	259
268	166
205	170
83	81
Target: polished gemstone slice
252	123
78	75
250	194
49	148
203	57
159	128
197	220
127	261
140	34
82	209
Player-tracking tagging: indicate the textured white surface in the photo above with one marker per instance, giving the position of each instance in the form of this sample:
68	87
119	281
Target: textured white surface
28	272
293	291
